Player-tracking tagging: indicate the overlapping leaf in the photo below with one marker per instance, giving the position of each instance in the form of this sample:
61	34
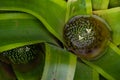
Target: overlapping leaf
78	7
19	29
84	72
114	3
51	13
112	17
100	4
59	64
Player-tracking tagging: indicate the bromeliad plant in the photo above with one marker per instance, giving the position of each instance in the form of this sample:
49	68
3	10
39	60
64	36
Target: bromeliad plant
59	40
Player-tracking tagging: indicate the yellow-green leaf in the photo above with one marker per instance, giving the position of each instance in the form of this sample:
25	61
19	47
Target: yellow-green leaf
100	4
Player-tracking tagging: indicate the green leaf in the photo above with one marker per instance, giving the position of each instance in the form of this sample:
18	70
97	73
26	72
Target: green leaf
114	3
50	12
59	64
100	4
112	17
78	7
20	29
102	78
108	65
84	72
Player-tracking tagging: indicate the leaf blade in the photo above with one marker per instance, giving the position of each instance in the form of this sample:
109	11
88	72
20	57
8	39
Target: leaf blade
56	12
108	65
78	7
112	18
100	4
27	28
114	3
84	72
60	65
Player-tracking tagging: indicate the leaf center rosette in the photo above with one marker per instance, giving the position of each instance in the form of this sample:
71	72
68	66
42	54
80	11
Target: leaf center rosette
86	36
